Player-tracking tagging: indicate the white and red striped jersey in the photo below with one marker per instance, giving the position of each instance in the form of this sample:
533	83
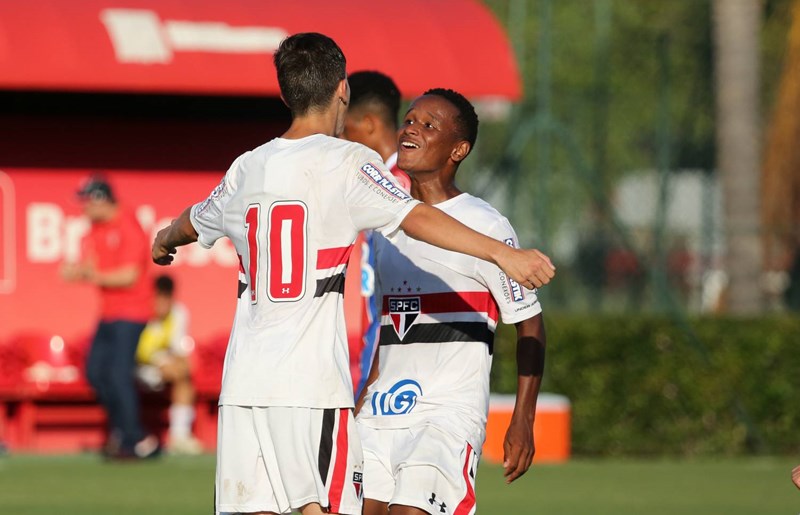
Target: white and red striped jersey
292	209
440	311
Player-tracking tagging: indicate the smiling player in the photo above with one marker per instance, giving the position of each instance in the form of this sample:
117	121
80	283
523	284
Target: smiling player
292	208
423	418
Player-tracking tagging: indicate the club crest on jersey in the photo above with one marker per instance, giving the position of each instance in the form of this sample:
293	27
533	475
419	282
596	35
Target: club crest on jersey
516	290
377	177
403	312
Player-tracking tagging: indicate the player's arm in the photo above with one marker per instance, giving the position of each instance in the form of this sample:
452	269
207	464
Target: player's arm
518	446
371	378
796	476
530	268
179	232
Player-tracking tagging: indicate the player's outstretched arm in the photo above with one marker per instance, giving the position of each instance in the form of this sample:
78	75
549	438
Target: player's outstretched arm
179	232
371	378
530	268
796	476
518	446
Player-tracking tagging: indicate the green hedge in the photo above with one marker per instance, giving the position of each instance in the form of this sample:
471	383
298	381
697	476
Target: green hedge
647	386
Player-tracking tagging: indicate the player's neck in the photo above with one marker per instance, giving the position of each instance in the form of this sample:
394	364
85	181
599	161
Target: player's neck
387	145
309	125
329	122
433	188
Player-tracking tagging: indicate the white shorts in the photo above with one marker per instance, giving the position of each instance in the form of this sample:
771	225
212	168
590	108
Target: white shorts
279	459
423	467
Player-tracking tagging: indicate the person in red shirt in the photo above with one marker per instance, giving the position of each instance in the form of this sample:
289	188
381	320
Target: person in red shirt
115	258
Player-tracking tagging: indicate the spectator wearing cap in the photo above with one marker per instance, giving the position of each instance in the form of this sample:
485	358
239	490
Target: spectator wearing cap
115	256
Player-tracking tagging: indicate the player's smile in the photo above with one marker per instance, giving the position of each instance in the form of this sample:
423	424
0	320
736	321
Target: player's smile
426	136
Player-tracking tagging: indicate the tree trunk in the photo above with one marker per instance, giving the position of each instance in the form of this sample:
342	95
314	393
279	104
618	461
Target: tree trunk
780	195
736	59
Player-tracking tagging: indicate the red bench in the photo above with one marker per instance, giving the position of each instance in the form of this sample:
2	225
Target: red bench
46	405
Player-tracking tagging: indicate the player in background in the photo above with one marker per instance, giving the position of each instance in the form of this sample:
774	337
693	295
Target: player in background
115	259
422	419
372	117
163	357
292	209
372	121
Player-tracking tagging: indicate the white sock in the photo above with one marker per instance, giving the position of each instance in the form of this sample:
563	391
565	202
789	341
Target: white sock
181	417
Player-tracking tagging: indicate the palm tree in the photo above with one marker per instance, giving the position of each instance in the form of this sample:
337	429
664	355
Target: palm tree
736	57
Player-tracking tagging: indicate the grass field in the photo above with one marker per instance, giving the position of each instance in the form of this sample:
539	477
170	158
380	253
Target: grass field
65	485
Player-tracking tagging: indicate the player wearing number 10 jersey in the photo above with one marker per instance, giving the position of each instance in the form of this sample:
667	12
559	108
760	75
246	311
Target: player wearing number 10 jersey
292	208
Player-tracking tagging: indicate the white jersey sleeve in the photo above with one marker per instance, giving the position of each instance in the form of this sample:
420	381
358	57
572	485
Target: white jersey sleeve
516	302
374	200
207	216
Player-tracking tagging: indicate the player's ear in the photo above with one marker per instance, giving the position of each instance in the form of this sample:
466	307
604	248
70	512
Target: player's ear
369	123
460	151
343	92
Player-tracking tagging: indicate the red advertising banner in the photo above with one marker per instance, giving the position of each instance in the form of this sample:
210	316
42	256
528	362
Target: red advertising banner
41	226
211	47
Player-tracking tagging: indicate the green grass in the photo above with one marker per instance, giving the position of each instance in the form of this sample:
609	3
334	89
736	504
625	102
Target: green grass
34	485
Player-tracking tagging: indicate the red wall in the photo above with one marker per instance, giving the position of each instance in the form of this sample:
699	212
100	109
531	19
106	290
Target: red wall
41	226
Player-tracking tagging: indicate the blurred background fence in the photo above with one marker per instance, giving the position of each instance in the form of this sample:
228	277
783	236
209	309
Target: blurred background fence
612	164
609	162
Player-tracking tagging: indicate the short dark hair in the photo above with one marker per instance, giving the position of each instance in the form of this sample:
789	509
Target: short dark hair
96	187
165	285
310	67
467	120
376	89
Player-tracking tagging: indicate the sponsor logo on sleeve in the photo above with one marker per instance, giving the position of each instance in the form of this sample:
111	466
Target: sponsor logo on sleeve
375	175
399	400
516	290
218	192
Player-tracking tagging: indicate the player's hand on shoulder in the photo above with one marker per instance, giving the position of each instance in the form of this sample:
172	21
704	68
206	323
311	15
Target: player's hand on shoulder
530	268
162	255
518	450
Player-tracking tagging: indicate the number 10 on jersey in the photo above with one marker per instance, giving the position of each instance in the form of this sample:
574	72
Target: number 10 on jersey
282	248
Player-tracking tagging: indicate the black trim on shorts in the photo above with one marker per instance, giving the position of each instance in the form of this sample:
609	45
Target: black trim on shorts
326	443
440	333
242	289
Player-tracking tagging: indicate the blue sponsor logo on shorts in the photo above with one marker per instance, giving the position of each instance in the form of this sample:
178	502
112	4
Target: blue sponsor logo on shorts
399	400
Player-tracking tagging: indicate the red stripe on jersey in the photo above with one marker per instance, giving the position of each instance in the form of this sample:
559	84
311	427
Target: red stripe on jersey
452	302
340	467
401	177
467	504
329	258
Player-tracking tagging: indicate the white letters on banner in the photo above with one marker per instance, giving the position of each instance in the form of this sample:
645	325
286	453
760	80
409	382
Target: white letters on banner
53	236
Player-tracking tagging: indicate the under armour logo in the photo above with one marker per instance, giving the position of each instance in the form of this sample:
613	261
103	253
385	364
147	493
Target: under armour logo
441	505
284	290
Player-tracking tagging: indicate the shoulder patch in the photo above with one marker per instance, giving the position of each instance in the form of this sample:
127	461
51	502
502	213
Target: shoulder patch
374	174
516	290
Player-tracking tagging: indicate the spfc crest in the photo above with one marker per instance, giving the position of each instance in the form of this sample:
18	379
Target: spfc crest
357	481
403	311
